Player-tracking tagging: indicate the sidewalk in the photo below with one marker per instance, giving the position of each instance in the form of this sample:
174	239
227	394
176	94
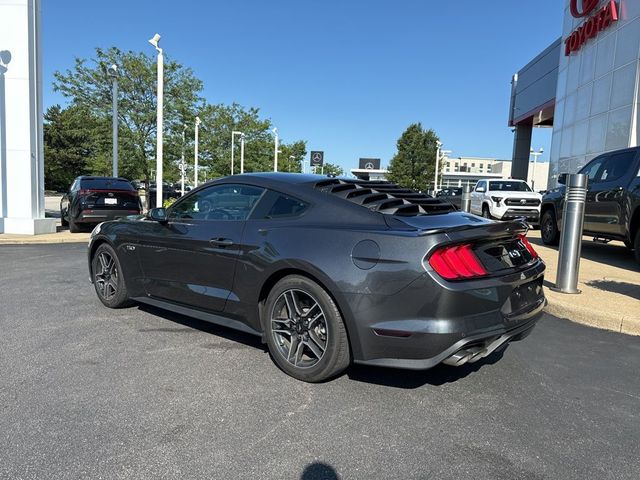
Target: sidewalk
609	279
62	236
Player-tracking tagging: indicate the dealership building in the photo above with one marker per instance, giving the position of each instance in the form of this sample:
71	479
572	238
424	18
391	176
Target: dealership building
585	86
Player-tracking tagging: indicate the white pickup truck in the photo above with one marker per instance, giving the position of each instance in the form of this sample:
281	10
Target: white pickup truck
506	200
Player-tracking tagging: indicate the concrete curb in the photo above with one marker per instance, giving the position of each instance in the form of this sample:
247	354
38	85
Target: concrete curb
51	239
606	320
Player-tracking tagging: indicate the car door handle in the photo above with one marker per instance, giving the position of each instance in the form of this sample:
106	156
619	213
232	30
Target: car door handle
221	242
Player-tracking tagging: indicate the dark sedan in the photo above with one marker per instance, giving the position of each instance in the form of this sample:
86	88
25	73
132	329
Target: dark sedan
91	200
328	271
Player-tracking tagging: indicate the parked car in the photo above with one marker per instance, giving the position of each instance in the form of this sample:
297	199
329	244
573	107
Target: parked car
92	200
612	208
506	200
328	271
452	195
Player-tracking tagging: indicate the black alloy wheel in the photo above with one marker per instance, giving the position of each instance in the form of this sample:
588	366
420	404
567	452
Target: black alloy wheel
107	278
305	332
549	229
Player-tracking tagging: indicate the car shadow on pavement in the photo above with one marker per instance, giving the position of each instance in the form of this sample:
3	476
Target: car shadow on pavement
220	331
411	379
623	288
391	377
615	255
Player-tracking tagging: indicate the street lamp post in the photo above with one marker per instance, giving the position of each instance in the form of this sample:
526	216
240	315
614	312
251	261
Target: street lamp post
535	161
242	153
438	147
195	163
155	41
183	166
112	71
233	137
443	154
275	151
292	159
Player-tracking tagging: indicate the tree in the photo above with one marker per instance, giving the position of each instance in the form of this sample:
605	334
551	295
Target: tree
333	170
88	86
413	166
72	145
218	121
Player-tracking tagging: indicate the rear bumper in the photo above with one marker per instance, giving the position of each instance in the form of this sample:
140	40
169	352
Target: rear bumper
430	323
471	348
98	216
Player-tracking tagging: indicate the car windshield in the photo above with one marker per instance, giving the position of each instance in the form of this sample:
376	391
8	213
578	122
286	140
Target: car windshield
509	186
105	184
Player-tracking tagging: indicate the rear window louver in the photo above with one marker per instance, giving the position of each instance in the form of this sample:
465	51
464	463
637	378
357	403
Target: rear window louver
384	197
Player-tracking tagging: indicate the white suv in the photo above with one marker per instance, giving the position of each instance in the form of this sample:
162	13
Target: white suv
506	200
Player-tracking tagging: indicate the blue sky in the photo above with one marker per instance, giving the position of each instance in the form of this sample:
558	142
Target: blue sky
347	76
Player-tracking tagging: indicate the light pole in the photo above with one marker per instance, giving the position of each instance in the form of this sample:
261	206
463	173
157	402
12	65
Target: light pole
233	137
292	159
242	153
183	166
275	151
112	71
535	160
438	147
444	154
195	163
155	41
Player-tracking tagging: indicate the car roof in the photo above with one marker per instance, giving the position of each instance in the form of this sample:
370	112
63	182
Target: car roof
366	196
94	177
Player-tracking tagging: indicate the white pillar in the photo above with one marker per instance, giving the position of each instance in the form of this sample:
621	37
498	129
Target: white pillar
21	140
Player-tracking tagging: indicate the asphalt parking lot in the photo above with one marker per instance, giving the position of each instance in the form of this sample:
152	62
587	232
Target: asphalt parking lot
87	392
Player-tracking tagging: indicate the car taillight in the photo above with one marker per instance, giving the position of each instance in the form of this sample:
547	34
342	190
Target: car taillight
528	246
457	262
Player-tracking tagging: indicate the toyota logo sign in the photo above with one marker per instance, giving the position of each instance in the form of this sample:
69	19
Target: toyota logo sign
588	6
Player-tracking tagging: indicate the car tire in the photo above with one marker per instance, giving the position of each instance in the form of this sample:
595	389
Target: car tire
549	228
63	221
74	227
108	281
304	330
486	213
636	246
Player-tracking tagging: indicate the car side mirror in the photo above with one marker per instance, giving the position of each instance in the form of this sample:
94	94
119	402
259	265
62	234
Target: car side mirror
158	215
481	189
562	179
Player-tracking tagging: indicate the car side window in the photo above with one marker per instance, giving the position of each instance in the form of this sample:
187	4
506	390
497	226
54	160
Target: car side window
616	166
286	206
481	185
217	202
591	169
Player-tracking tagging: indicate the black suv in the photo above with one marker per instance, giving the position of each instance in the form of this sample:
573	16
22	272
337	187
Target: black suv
91	200
612	210
452	195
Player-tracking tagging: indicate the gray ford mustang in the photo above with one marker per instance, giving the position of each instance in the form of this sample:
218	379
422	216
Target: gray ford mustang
328	271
